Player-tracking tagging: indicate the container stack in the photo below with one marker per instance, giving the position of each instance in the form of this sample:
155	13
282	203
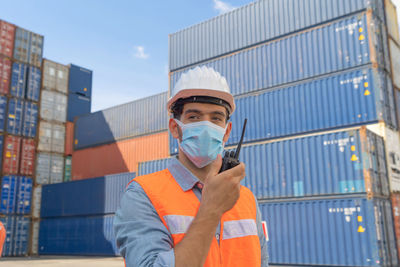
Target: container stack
322	148
20	62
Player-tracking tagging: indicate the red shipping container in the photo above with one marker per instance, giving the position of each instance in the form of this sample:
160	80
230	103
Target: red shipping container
27	156
7	33
69	138
5	75
11	154
396	218
122	156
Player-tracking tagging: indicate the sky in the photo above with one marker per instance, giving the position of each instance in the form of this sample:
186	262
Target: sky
124	42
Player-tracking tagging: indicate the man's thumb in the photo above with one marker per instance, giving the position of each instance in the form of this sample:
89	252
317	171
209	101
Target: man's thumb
216	165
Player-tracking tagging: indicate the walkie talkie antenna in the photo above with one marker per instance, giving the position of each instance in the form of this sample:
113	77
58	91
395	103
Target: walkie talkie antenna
241	140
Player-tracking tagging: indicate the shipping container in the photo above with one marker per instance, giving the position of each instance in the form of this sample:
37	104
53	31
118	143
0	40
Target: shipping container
30	119
80	80
141	117
11	154
121	156
58	138
21	236
7	33
33	84
24	195
392	145
330	232
36	201
397	101
78	105
35	238
255	23
95	196
392	21
55	76
51	137
56	168
78	236
340	100
18	79
9	192
67	168
15	116
28	47
9	224
396	219
28	152
3	112
153	166
42	169
395	62
69	138
1	151
53	106
5	75
351	42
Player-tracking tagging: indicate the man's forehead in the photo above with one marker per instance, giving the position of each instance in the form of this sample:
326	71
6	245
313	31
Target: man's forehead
203	108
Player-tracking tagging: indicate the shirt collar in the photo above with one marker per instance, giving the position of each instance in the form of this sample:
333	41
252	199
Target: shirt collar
185	178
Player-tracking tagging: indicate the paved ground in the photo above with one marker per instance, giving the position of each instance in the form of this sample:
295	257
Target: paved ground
61	261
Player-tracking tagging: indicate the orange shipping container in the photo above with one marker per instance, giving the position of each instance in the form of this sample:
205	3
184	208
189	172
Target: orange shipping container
396	218
122	156
69	138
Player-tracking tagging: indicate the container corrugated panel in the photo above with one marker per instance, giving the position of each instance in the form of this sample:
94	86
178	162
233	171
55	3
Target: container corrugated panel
15	116
21	236
28	152
340	45
9	191
45	133
60	107
340	100
78	105
18	79
36	50
69	138
140	117
95	196
7	33
3	112
153	166
34	247
1	150
28	47
77	236
122	156
397	101
5	75
53	106
331	232
33	83
67	168
11	154
58	138
36	201
391	20
80	80
396	219
395	61
43	161
55	76
9	224
56	168
29	124
24	195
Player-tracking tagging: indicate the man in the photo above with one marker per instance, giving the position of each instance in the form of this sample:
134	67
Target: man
190	214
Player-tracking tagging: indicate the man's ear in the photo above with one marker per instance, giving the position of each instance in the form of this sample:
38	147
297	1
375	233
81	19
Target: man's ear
228	132
174	129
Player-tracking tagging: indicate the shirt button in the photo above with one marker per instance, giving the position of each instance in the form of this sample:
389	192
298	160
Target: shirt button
217	236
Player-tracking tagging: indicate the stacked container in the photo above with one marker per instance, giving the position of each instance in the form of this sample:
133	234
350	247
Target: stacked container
79	91
20	73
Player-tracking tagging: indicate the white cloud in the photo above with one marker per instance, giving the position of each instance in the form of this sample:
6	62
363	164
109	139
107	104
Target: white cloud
222	7
139	52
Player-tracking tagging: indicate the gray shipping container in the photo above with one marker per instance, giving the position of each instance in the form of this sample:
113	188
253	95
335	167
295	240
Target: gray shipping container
56	168
51	137
55	76
49	168
53	106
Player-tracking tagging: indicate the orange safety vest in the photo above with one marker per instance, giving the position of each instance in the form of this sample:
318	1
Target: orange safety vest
2	236
239	242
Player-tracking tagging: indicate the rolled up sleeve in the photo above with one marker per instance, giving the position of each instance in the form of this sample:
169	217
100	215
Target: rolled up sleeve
142	238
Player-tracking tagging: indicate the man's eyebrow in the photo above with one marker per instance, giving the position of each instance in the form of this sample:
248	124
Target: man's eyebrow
218	113
193	110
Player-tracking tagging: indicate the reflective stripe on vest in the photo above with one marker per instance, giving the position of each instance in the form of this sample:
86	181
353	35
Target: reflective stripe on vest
239	244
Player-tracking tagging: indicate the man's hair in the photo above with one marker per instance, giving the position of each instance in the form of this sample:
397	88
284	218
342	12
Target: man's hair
177	107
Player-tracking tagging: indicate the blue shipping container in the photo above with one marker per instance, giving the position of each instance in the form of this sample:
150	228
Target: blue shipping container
33	84
28	47
3	112
340	45
331	232
153	166
30	119
9	224
15	116
340	100
77	236
80	80
77	105
141	117
1	150
24	195
93	196
9	192
21	236
255	23
18	79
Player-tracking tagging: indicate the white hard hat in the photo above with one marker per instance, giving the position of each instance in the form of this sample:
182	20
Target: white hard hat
202	81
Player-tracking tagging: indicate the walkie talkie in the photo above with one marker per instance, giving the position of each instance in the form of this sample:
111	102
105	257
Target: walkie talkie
231	159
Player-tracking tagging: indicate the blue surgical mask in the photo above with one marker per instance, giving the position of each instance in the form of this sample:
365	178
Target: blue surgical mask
201	141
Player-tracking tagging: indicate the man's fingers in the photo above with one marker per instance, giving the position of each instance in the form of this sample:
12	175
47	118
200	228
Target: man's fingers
215	166
238	172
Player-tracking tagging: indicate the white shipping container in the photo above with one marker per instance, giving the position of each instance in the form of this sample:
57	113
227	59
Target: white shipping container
55	76
53	106
51	137
35	237
395	62
43	168
45	133
57	168
36	201
58	138
391	20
